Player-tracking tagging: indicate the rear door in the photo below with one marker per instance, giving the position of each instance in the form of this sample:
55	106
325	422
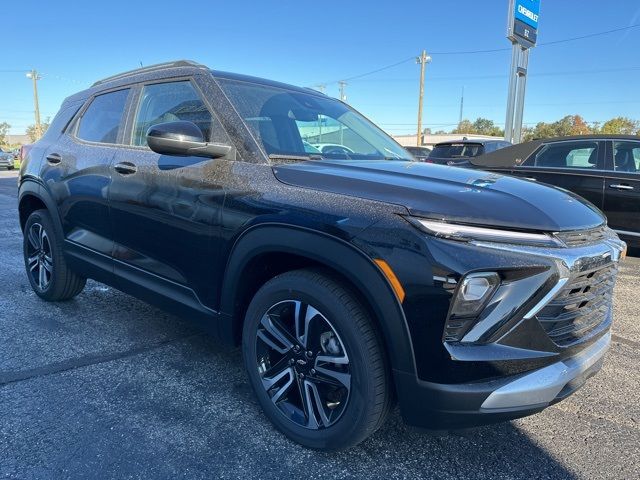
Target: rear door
76	172
622	189
576	165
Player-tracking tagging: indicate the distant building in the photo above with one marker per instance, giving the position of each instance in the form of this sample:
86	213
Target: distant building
17	139
429	140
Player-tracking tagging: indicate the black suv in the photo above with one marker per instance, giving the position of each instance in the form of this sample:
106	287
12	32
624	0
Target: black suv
460	151
350	278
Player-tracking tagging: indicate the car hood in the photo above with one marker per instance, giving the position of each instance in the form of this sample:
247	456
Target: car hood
448	193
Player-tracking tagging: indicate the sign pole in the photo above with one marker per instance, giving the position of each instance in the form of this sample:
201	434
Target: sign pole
522	87
522	31
511	98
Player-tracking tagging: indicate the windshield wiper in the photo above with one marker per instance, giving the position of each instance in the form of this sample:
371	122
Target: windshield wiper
284	158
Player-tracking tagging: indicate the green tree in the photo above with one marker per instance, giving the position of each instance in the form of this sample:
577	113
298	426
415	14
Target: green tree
465	126
621	126
4	129
31	130
566	126
484	126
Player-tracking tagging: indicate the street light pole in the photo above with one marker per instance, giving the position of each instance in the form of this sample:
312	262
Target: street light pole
33	75
422	60
343	97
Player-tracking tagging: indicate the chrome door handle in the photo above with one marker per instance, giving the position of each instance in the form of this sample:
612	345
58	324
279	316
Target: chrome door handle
619	186
54	158
125	168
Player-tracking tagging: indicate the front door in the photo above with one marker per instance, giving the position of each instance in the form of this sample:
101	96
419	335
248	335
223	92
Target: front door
622	190
166	209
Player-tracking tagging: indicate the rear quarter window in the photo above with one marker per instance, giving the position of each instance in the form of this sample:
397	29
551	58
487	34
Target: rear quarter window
102	120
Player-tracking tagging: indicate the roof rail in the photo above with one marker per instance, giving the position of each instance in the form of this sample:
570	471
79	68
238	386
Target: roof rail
150	68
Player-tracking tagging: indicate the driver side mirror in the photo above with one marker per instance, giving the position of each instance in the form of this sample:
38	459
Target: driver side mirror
183	139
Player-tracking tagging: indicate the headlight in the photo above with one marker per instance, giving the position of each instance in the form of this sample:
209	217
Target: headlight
467	233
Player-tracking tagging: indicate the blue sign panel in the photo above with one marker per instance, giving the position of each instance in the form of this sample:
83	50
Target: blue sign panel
528	11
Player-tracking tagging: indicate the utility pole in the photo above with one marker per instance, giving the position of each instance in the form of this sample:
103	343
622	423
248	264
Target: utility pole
343	96
34	76
461	106
422	60
321	88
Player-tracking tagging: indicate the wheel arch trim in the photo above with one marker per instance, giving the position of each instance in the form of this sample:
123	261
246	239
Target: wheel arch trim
35	189
334	253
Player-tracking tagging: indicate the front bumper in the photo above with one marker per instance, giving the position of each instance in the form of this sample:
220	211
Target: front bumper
440	406
508	364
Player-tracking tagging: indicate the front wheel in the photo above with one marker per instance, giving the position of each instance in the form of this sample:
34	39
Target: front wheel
315	361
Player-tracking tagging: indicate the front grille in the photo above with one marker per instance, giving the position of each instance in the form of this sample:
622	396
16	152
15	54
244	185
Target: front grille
581	238
582	307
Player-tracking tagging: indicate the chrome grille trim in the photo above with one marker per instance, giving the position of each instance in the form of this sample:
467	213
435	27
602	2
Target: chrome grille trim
579	238
582	307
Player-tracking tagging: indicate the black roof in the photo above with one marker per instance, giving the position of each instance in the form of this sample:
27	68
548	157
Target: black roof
178	68
468	141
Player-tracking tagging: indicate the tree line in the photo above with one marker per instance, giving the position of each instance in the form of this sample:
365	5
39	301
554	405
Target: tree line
31	131
566	126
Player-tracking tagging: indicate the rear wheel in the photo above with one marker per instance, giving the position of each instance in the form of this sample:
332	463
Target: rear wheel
47	270
315	361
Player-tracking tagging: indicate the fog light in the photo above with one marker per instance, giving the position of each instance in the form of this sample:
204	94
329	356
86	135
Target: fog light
471	296
473	293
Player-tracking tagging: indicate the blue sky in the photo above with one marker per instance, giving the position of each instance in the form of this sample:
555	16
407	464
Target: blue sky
73	43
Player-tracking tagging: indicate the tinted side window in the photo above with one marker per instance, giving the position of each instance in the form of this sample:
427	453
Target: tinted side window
568	155
101	121
626	156
170	102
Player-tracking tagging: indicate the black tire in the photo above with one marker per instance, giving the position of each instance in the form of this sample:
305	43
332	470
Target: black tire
10	168
350	413
42	249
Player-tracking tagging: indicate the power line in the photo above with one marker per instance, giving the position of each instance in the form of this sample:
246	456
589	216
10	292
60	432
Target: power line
590	35
542	44
348	79
492	50
492	76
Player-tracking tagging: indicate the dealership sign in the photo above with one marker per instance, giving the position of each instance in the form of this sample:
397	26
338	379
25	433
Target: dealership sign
524	16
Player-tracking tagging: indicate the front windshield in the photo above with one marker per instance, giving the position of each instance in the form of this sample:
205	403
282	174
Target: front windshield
290	122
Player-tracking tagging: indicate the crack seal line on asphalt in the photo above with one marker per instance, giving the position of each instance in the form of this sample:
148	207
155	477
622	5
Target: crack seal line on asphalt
7	378
625	341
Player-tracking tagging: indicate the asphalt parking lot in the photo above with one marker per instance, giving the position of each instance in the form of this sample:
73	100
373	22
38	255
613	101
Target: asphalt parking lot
105	386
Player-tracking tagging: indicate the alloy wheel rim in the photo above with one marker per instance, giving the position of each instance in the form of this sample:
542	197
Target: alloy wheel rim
303	364
39	256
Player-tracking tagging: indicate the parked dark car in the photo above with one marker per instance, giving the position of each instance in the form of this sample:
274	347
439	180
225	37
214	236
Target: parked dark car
459	151
604	169
348	279
421	154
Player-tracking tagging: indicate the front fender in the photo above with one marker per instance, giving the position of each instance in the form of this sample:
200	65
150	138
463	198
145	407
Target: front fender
335	254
